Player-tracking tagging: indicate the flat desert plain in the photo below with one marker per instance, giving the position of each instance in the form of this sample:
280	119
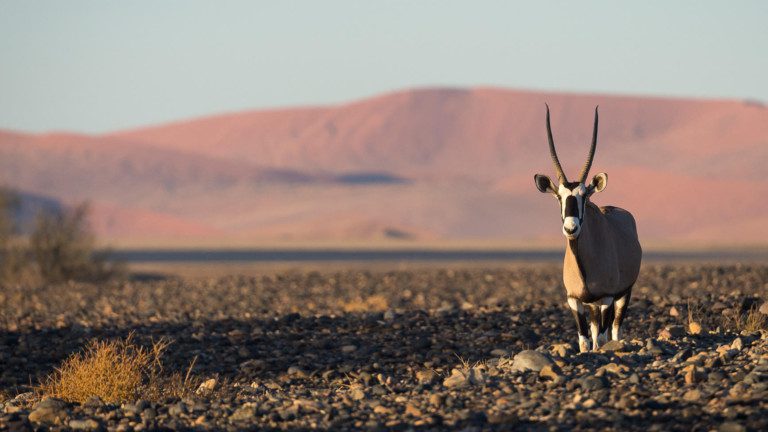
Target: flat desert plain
429	348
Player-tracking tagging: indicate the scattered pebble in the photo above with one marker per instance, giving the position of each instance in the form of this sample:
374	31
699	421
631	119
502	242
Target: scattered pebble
530	360
613	345
85	425
207	387
763	308
694	328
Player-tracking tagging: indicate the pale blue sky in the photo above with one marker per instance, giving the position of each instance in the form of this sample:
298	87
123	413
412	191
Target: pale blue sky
97	66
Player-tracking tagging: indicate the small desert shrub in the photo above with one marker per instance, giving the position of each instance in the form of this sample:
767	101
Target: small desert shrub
60	247
116	371
11	256
16	267
64	248
8	202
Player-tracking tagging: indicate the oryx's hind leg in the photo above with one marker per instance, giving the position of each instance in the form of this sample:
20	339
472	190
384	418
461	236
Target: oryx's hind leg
607	313
622	303
580	315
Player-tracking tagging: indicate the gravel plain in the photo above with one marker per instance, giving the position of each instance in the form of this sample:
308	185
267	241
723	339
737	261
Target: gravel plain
426	349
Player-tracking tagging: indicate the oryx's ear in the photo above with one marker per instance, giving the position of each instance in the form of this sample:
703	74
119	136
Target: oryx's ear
598	183
544	184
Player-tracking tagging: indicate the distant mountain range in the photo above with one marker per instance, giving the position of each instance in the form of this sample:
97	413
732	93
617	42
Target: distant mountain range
418	165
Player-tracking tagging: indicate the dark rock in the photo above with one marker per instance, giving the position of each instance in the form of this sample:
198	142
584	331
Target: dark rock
592	382
613	345
530	360
244	413
49	411
15	422
177	409
85	424
502	418
93	402
652	348
682	355
731	427
672	332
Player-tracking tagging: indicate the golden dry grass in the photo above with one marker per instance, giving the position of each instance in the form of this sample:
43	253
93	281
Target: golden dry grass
374	303
750	321
116	371
754	321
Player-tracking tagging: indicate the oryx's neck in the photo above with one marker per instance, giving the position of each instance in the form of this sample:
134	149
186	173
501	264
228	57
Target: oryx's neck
580	256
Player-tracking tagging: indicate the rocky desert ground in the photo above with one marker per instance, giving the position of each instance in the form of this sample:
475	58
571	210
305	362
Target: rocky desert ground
425	349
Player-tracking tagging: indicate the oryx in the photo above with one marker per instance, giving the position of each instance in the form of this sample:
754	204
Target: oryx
602	252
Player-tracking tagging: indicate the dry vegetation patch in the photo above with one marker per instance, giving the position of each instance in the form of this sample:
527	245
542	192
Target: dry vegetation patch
116	371
749	321
374	303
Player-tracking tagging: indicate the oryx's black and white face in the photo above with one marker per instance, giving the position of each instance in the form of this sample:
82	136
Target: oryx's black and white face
572	196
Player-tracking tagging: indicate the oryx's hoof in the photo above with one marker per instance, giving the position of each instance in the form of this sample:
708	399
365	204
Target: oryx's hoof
584	344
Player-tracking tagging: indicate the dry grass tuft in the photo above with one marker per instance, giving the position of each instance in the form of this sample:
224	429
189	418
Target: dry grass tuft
466	366
751	321
374	303
115	371
173	385
754	321
694	321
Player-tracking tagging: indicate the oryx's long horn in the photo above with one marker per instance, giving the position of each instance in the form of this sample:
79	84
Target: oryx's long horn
588	164
560	174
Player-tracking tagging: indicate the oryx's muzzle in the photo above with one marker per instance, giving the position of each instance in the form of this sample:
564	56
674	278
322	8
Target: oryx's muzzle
571	217
572	213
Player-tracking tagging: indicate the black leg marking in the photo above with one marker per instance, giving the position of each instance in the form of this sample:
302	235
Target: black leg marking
622	303
607	318
581	323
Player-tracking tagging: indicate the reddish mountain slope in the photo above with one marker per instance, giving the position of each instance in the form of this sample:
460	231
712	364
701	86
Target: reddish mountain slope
437	132
427	164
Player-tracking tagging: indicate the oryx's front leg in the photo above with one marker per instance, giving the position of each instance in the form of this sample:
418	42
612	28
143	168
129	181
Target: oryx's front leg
598	320
579	314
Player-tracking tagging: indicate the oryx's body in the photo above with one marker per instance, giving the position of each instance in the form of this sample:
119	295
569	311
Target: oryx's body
602	254
604	260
